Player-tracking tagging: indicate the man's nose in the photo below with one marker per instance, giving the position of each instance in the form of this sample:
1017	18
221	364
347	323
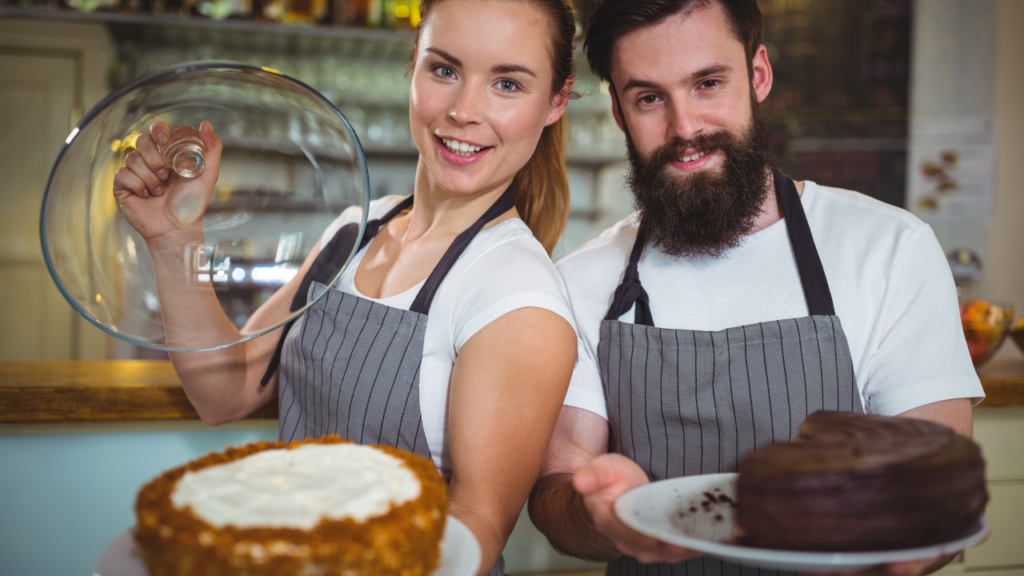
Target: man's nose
684	120
467	108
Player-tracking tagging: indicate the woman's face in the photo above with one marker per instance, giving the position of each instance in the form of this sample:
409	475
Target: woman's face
481	92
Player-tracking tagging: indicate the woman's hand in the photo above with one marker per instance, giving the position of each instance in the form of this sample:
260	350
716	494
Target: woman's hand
153	198
601	482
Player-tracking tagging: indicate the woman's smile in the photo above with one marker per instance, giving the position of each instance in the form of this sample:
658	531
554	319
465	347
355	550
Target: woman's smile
461	153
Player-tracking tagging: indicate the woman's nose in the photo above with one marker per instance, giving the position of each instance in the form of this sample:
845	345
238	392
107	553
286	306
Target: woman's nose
467	107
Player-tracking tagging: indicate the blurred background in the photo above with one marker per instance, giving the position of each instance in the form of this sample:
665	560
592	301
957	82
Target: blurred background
913	102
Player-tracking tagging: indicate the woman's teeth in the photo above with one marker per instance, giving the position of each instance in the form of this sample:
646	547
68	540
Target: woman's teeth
693	157
460	148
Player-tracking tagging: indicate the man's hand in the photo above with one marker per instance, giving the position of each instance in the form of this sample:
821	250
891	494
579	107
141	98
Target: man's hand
601	482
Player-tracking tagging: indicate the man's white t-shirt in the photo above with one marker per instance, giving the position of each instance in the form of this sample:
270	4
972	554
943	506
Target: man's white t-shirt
503	269
890	283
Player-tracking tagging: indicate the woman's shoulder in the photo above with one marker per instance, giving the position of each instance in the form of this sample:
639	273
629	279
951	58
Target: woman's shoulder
503	262
508	248
504	269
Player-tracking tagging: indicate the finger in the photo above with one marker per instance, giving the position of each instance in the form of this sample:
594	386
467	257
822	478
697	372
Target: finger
585	481
161	132
126	180
214	147
145	145
137	165
611	474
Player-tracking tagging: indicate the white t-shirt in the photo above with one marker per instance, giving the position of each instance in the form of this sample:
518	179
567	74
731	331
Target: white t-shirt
503	269
891	286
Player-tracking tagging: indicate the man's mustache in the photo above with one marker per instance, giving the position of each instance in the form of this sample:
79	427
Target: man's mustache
677	147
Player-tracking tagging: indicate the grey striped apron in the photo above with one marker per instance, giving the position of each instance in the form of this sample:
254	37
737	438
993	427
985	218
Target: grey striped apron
352	366
683	402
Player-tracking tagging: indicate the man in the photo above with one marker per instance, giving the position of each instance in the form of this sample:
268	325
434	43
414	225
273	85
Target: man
734	302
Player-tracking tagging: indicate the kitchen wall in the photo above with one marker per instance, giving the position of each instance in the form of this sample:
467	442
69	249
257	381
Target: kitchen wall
1004	275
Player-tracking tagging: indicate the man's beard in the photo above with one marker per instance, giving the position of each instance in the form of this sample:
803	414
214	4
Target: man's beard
703	214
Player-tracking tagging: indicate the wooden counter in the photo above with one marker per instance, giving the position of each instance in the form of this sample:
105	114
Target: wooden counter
112	391
132	391
1003	380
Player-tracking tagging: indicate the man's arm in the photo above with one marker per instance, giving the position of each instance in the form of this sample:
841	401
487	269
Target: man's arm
957	415
954	413
573	502
556	509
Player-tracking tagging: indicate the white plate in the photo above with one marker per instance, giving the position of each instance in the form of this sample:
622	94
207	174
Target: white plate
678	512
460	554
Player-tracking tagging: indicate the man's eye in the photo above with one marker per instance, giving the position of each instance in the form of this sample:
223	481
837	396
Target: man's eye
649	99
710	83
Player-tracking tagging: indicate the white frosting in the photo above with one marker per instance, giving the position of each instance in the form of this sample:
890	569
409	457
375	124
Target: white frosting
296	488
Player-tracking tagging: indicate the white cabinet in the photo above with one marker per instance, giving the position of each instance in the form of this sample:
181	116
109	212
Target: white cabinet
50	73
1000	432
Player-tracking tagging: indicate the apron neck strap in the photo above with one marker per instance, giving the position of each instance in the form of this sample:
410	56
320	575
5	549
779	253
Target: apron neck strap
808	263
504	203
812	274
425	297
630	291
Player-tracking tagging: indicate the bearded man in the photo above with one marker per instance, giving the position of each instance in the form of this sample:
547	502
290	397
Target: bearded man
734	302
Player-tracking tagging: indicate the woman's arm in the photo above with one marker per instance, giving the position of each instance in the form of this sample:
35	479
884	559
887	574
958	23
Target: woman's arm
507	388
224	385
166	209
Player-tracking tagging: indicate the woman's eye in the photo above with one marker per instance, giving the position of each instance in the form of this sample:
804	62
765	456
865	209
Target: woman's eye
445	72
507	85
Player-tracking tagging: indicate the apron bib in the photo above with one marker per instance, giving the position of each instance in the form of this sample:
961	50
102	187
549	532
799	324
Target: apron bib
684	402
353	366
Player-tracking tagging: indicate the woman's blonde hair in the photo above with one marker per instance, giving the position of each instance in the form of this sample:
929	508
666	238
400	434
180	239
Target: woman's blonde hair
542	186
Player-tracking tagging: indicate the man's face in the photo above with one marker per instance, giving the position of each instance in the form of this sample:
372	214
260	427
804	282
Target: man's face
699	151
683	78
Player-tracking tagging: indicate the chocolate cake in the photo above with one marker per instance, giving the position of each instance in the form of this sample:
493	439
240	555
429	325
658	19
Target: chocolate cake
855	482
315	507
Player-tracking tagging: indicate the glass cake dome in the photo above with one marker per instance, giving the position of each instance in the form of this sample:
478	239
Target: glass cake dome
291	163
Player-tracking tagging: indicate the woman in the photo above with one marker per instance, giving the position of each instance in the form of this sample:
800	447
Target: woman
449	333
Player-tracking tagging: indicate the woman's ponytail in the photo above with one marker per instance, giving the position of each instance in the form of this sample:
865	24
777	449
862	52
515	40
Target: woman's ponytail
542	186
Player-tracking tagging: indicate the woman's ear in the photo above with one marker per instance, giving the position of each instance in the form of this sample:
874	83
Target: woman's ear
560	100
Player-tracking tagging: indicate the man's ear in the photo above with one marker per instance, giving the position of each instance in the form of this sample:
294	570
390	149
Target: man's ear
616	108
560	101
761	74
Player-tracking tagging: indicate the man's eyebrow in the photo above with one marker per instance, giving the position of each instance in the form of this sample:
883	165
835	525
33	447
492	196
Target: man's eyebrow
445	55
510	68
703	73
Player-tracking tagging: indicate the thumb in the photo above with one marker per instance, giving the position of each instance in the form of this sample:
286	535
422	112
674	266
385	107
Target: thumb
601	476
211	158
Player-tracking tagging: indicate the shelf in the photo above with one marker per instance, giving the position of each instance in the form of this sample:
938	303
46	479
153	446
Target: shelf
253	26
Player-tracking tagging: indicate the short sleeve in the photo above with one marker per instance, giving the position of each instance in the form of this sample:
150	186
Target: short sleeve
921	355
585	389
514	274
